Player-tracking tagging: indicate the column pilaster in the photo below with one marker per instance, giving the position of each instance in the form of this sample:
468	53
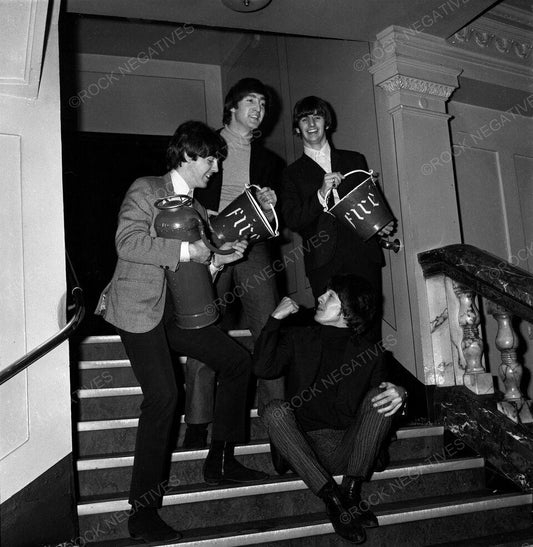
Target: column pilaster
412	87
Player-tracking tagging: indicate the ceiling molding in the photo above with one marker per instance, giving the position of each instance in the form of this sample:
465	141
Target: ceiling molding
496	37
506	12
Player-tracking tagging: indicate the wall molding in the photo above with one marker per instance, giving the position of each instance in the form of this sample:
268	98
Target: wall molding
481	64
424	87
23	40
118	66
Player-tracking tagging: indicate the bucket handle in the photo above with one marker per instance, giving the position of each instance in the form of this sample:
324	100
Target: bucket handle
370	173
208	244
276	232
394	245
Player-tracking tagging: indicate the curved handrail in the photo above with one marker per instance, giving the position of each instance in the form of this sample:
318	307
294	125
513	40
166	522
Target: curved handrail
26	360
487	274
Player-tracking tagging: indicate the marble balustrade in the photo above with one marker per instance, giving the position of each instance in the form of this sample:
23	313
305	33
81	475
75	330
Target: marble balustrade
456	277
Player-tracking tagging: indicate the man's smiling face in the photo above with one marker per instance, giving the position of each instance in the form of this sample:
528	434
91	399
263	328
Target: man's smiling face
312	129
248	114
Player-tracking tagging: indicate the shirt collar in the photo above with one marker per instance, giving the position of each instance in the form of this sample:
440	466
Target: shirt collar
179	184
324	152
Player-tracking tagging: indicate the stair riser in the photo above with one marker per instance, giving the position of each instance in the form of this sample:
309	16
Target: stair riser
299	502
431	531
108	408
99	352
103	482
121	440
106	377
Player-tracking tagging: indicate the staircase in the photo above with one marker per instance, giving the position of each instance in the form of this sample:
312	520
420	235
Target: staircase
434	491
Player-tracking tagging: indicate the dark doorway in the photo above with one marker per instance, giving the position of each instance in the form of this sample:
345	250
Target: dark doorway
98	168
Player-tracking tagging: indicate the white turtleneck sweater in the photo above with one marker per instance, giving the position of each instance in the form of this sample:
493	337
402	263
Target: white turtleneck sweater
236	173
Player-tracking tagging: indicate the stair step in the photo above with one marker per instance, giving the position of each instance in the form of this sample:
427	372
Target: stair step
107	373
110	346
111	475
515	538
418	522
99	437
286	496
431	492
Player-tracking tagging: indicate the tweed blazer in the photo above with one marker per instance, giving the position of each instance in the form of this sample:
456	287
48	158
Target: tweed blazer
134	300
304	214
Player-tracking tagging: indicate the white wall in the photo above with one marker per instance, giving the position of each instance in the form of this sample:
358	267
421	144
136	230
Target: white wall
35	424
494	169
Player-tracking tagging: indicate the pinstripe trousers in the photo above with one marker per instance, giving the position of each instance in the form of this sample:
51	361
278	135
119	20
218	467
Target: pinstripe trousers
317	455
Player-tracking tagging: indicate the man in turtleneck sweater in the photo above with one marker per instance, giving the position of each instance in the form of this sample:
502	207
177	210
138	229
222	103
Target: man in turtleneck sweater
247	162
339	406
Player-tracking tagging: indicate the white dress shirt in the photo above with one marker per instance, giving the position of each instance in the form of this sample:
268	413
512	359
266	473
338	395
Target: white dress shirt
323	158
182	188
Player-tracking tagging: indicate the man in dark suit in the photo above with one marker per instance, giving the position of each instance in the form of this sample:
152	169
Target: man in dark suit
135	301
249	279
339	405
311	185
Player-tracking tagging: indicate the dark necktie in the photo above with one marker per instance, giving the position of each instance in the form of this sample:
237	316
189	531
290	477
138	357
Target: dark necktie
331	200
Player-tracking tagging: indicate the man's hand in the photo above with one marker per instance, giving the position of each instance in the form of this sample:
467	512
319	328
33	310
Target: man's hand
388	230
285	308
390	400
331	180
267	199
198	252
238	245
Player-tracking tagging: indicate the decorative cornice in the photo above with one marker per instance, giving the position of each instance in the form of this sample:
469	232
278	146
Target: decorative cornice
398	82
495	36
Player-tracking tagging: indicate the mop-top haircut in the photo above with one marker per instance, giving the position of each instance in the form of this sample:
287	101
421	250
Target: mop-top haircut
359	301
240	90
196	139
309	106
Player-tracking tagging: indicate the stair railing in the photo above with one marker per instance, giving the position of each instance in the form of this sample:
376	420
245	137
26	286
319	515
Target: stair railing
455	276
35	354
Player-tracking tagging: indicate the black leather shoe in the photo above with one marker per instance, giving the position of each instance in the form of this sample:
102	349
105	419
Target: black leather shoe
281	465
221	467
147	525
345	522
351	489
195	437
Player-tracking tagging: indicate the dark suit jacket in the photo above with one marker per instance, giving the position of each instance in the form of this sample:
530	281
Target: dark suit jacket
134	300
265	170
303	213
296	352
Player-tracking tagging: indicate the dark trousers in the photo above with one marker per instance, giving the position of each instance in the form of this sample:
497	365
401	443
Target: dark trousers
251	280
317	455
151	362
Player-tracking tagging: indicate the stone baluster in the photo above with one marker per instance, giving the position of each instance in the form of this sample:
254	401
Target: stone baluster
475	378
514	404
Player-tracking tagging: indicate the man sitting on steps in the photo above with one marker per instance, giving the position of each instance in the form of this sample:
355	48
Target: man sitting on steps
339	406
